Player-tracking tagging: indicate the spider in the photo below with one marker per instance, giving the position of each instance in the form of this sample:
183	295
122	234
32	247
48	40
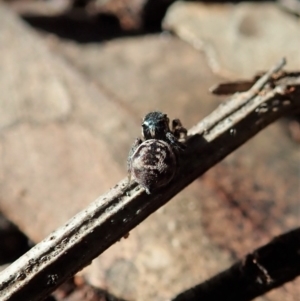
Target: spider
153	160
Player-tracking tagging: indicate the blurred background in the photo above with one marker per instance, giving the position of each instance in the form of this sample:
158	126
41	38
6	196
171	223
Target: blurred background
77	77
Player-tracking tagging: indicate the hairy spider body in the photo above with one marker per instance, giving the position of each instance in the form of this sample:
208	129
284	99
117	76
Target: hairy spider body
153	160
151	165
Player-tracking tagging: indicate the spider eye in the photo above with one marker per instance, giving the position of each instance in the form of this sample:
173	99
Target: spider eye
144	128
146	131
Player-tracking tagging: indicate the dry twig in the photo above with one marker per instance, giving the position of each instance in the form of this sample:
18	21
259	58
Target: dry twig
111	216
264	269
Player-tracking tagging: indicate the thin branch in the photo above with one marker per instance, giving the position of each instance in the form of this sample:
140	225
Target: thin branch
229	107
111	216
264	269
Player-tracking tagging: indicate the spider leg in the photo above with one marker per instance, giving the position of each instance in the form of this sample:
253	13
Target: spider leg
178	130
174	142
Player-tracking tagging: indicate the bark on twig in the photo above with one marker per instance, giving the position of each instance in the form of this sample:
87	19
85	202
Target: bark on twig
264	269
111	216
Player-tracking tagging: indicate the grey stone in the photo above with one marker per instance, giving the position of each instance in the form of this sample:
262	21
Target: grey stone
238	40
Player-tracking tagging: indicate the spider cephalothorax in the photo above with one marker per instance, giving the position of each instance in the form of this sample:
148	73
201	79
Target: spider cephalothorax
153	160
156	126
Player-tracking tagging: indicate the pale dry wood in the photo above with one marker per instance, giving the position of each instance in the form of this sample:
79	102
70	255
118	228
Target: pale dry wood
113	215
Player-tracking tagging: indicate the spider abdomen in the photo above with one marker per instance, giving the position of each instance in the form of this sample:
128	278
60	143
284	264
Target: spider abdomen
153	164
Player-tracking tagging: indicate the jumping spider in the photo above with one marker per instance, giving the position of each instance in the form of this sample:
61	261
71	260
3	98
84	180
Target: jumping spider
153	160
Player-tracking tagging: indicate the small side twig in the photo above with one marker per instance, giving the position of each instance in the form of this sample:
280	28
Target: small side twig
264	269
229	107
111	216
